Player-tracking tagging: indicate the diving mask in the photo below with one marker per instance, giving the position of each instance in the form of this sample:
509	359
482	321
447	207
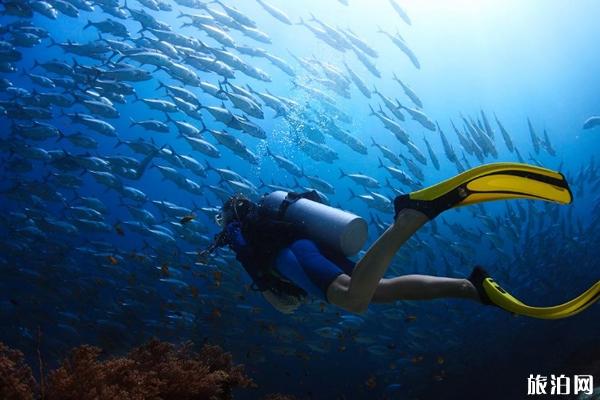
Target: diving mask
236	208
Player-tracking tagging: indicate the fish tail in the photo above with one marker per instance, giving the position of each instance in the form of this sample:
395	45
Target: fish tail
372	111
204	128
220	89
352	194
269	152
52	42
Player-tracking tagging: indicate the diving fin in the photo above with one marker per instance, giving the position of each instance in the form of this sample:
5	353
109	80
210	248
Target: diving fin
495	181
491	293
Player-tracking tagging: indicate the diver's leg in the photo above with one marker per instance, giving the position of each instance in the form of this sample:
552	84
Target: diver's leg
289	265
423	287
315	266
356	294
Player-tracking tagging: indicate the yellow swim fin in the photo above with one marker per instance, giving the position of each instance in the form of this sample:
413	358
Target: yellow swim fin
492	293
503	299
496	181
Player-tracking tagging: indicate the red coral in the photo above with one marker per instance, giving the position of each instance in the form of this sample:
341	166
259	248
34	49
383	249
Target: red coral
16	380
82	376
156	370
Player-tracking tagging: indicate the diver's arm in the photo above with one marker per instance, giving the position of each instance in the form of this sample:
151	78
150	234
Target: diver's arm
244	253
281	302
245	257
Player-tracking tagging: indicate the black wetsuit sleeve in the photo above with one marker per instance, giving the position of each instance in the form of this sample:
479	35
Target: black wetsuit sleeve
265	237
248	259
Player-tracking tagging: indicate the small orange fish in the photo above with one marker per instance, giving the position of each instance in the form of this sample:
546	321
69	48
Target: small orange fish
371	383
187	218
194	291
216	313
416	359
410	318
164	269
218	275
112	260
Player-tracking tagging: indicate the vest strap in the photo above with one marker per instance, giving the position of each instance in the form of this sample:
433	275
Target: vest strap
293	197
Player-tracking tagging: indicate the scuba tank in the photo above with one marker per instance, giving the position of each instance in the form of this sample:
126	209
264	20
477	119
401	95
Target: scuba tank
330	227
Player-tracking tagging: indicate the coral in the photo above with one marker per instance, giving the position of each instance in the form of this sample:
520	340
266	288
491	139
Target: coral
156	370
16	380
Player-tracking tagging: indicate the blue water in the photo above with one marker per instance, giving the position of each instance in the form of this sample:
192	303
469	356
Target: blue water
519	60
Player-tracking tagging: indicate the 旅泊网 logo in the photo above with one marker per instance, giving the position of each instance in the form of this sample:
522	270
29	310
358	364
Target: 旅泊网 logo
559	384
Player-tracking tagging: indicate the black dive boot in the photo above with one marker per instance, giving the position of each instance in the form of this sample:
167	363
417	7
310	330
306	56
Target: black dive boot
430	208
478	275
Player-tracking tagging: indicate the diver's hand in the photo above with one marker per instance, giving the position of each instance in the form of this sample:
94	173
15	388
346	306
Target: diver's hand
235	239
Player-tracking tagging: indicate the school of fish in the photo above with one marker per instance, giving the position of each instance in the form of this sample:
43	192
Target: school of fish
117	151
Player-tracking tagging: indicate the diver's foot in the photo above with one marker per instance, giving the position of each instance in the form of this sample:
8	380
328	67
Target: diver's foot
478	275
428	208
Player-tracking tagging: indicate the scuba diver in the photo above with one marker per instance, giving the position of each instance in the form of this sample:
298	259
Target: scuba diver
291	244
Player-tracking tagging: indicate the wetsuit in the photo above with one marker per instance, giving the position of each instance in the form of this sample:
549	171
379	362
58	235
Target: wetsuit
262	243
